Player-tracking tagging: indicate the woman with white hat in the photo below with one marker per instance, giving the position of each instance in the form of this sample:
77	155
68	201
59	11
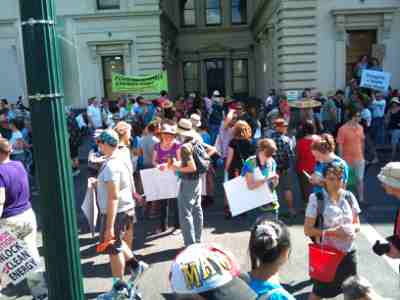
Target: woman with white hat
163	153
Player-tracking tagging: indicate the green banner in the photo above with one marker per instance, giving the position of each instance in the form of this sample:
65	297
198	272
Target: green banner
140	84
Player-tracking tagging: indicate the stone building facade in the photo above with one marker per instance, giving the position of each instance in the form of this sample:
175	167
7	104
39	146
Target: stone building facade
242	48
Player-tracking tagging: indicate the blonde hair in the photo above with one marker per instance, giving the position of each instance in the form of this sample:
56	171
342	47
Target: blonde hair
267	145
242	130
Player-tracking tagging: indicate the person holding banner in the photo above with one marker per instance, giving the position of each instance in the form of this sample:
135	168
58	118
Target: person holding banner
259	170
16	213
164	152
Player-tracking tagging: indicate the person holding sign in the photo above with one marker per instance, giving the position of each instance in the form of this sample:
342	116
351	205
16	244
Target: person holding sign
117	209
16	214
261	169
164	152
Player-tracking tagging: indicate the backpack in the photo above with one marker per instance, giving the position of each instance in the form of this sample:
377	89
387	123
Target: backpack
216	115
201	158
319	223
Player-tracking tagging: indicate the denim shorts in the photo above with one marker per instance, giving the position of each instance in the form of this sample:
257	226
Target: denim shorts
395	136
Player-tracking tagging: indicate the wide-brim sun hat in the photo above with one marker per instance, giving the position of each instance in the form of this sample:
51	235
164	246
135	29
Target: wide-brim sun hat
185	128
390	174
216	93
208	271
305	103
168	129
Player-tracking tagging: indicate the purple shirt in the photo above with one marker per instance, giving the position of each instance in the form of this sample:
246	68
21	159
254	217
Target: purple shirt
14	179
163	155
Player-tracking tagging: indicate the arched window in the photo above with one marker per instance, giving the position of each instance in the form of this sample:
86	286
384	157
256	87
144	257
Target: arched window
239	11
188	13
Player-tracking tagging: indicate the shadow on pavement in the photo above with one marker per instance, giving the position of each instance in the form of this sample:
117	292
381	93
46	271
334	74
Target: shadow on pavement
90	270
162	256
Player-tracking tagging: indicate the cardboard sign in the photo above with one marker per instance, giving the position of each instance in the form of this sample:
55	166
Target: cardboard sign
15	260
160	185
375	80
241	199
90	209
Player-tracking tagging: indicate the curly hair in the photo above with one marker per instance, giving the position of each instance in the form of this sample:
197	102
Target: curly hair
325	144
242	130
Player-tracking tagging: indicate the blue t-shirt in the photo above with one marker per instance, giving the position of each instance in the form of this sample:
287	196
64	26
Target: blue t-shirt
14	179
265	287
206	137
321	166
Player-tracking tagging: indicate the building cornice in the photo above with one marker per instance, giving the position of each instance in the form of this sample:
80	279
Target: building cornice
115	14
213	29
367	10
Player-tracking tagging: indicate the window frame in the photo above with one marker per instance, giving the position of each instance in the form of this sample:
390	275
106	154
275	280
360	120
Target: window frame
186	91
234	92
242	22
182	11
207	9
115	7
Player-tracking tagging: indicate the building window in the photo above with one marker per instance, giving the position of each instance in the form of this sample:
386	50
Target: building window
213	12
191	76
240	78
239	11
188	13
107	4
111	64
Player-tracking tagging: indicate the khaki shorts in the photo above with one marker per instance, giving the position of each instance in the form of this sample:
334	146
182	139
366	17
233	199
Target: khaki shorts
123	221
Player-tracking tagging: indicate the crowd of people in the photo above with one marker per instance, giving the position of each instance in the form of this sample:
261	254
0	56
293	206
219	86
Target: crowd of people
328	144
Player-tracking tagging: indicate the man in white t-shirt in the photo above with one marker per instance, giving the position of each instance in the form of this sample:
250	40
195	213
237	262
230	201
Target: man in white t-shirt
94	114
378	107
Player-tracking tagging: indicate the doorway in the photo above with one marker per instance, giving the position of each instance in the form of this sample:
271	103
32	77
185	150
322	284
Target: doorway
358	43
111	64
215	69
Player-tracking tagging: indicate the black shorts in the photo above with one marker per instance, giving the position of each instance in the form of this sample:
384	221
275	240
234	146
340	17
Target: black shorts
123	221
346	269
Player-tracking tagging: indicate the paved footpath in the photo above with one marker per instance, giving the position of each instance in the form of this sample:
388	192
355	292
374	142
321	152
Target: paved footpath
377	221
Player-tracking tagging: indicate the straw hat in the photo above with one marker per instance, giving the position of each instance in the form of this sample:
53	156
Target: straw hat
185	129
305	103
390	174
168	129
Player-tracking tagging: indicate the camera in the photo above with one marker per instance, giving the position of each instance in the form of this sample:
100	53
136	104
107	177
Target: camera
381	248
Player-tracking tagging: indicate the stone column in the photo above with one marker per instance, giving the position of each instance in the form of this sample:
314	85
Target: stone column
228	76
340	53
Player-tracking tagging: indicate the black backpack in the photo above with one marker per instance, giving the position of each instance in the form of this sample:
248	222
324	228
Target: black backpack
201	158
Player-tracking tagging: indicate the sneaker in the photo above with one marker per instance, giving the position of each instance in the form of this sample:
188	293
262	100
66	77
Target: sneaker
137	273
119	291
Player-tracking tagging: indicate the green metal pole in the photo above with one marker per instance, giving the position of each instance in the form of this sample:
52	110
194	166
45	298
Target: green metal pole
51	150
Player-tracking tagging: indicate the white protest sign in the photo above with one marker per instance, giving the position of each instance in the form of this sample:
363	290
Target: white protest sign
241	199
90	209
375	80
158	185
292	95
15	260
